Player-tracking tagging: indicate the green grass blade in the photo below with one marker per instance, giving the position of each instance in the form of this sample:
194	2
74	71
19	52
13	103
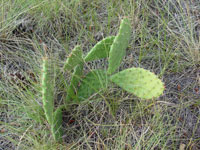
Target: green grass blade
142	83
118	48
100	50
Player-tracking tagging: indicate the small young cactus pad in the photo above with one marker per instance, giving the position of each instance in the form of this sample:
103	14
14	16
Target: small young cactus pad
118	48
74	58
94	82
56	127
100	50
78	71
47	91
140	82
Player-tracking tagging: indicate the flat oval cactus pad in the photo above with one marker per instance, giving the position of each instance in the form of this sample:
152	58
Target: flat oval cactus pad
142	83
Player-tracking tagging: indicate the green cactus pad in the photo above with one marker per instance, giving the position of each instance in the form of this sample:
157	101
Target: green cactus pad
142	83
100	50
74	59
47	91
71	92
56	127
118	48
94	82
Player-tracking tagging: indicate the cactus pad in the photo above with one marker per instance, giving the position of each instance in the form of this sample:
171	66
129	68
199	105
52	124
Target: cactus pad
47	91
71	92
100	50
118	48
94	82
56	127
140	82
74	59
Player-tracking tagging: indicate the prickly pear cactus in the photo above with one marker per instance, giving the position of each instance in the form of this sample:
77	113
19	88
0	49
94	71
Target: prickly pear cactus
54	118
71	92
56	127
140	82
94	82
47	91
100	50
74	59
118	48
